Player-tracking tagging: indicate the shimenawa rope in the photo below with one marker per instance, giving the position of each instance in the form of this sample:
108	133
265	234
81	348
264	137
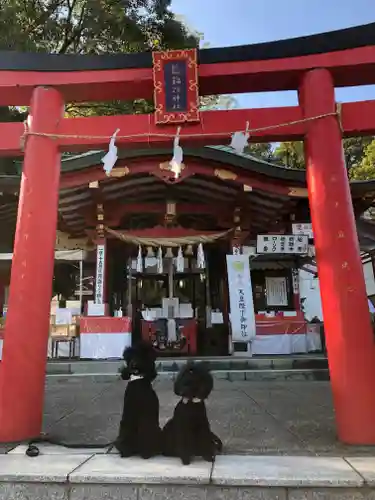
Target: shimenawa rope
147	135
167	242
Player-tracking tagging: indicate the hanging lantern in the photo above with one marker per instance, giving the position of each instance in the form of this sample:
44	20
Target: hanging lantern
180	265
139	260
170	212
171	208
201	264
150	253
169	253
189	251
160	261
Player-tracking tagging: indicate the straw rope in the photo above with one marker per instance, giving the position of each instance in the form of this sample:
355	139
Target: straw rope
167	242
148	135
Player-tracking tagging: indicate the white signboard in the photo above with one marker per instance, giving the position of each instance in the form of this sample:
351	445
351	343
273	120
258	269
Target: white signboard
276	292
303	228
295	281
99	281
241	298
282	243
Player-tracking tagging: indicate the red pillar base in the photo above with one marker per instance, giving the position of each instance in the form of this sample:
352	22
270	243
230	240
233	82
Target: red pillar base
349	336
22	370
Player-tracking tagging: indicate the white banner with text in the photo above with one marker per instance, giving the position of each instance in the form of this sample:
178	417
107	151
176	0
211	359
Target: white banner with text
241	298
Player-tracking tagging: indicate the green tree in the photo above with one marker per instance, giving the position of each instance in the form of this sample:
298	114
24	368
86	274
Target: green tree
7	165
93	27
290	154
261	150
354	149
90	26
358	152
365	169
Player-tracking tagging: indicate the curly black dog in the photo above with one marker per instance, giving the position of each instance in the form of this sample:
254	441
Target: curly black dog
188	434
140	433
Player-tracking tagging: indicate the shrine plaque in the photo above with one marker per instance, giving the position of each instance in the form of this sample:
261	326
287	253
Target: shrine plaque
176	86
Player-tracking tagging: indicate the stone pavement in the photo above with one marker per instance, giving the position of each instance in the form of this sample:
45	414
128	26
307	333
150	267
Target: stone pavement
271	418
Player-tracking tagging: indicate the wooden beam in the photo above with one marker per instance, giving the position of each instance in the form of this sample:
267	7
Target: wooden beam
348	67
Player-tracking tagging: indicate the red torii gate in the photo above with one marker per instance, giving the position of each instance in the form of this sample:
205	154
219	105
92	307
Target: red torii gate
49	80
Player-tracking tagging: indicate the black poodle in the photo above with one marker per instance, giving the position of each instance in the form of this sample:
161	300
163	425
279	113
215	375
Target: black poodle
187	434
140	432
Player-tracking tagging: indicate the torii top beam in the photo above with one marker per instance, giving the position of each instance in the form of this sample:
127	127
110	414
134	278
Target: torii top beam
273	66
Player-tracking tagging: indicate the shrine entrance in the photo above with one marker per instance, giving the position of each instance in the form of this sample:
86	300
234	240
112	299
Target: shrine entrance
177	123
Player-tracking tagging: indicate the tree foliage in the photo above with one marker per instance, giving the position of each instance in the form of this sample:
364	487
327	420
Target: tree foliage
290	154
365	168
90	26
98	27
93	27
261	150
359	155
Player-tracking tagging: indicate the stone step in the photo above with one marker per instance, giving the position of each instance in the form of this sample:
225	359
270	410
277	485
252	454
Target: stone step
232	375
97	476
227	364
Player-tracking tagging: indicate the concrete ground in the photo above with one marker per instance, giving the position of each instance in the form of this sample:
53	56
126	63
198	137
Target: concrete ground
272	418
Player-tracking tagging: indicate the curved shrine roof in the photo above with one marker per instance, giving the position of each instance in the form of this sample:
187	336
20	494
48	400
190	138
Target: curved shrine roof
264	206
224	155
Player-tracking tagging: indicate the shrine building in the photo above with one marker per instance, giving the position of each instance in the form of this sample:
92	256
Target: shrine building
141	210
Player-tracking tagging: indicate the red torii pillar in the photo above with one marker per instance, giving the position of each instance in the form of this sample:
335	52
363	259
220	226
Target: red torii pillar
22	369
350	340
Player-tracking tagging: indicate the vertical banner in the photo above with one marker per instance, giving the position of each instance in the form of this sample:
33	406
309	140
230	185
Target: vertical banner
241	298
100	274
295	281
176	92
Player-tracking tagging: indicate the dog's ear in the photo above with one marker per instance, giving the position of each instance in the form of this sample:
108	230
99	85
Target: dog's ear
128	354
147	351
142	350
182	379
125	373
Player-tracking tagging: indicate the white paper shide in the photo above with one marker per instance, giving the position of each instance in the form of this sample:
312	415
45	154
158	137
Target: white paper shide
240	298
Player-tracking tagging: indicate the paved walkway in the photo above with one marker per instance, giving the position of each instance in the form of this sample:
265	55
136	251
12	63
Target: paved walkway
272	418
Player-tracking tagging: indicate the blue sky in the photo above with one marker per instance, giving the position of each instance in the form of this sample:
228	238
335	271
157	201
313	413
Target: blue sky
237	22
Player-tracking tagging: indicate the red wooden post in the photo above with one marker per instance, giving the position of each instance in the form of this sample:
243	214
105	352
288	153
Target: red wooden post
350	340
22	370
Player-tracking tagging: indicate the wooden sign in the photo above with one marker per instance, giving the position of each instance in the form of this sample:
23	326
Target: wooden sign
176	86
99	281
303	228
282	244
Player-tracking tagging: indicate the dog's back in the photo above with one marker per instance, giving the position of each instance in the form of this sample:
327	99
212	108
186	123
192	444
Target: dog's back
187	433
139	428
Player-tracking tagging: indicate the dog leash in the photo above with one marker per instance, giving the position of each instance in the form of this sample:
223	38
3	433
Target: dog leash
33	450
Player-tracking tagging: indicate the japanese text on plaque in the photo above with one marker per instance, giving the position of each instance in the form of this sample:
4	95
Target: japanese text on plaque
175	79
